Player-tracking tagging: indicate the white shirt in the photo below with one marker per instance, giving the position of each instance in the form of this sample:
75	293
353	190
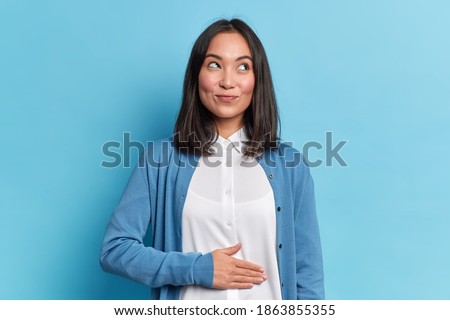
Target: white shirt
230	200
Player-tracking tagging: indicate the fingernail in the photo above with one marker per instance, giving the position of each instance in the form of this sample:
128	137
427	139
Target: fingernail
261	270
264	276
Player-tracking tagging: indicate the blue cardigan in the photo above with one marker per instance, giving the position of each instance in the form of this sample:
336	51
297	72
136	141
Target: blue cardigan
154	198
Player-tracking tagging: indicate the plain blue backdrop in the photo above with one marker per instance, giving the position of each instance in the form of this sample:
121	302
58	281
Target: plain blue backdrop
76	74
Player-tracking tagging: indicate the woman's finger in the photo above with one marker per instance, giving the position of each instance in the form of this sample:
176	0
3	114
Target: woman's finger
231	250
240	285
245	279
247	265
249	273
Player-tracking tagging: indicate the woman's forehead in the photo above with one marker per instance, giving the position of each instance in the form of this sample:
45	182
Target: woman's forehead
229	44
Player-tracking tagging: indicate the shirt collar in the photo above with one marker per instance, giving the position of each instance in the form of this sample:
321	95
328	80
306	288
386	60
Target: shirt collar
236	139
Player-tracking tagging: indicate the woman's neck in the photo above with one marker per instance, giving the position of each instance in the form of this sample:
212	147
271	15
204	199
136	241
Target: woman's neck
227	129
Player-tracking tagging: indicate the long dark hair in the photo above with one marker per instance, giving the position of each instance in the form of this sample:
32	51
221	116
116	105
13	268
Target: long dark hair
195	129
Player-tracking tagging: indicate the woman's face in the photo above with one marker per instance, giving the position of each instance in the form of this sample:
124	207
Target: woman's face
226	79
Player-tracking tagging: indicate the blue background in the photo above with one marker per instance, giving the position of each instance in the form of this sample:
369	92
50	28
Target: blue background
76	74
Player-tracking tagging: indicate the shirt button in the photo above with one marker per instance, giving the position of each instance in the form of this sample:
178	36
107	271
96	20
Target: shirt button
280	246
228	223
279	209
228	192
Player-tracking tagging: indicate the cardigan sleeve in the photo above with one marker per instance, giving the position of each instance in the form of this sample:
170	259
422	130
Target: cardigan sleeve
123	251
310	279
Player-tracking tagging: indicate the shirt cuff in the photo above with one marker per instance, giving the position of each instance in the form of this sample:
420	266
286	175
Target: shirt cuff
204	270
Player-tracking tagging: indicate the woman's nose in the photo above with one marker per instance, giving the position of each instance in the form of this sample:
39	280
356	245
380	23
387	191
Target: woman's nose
227	81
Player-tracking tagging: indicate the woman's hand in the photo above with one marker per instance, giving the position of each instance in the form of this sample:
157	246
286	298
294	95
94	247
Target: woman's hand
232	273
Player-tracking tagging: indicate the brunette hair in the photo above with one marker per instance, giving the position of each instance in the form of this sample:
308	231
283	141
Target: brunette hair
195	129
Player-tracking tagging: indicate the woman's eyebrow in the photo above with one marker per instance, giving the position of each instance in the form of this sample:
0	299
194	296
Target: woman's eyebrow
220	58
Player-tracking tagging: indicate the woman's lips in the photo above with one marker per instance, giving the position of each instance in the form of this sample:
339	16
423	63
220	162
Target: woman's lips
226	98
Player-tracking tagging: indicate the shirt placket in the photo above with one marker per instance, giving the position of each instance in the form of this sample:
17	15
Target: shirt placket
229	204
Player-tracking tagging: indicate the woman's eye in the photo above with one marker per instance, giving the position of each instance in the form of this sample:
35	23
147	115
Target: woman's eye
243	67
213	65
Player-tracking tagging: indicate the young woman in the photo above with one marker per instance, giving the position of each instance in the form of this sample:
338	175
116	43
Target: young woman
230	209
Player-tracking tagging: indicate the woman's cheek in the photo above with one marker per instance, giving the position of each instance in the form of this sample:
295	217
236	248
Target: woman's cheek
248	85
206	82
